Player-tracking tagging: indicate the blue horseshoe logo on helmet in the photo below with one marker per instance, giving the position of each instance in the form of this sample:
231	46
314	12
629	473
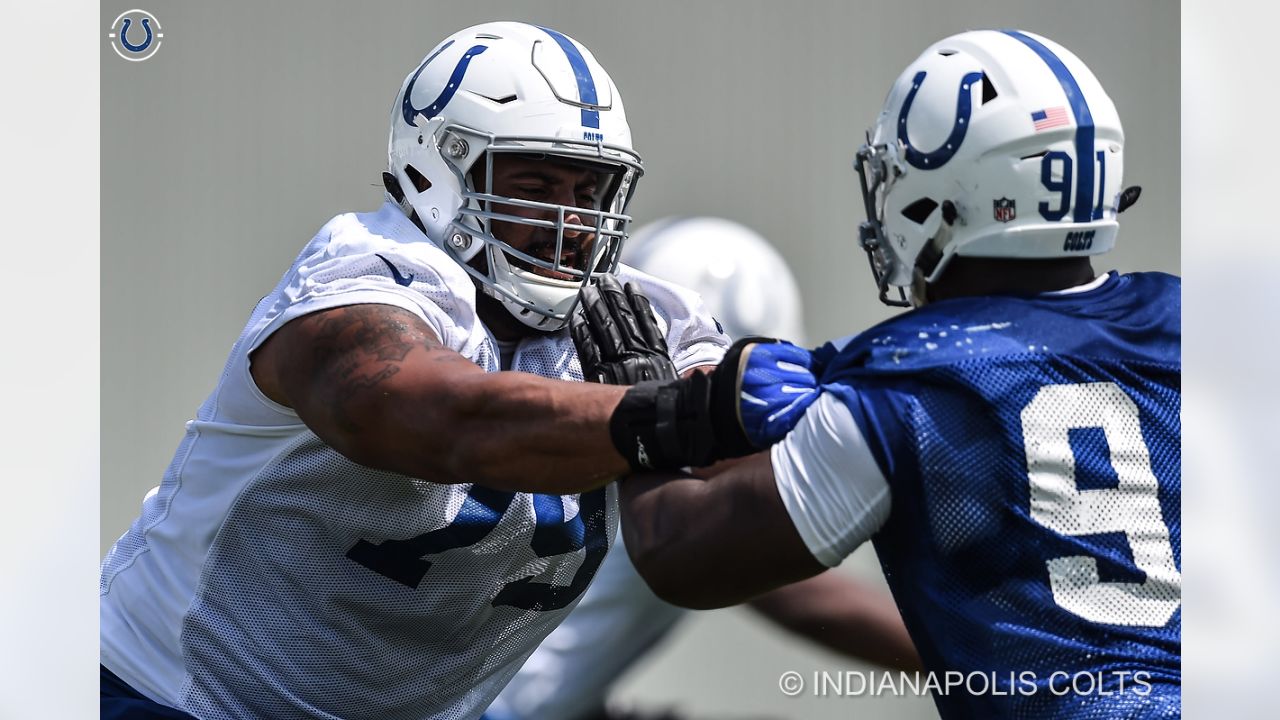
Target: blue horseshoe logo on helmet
455	80
124	35
942	154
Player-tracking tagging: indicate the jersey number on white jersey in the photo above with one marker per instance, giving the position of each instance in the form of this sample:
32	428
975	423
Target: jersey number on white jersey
405	560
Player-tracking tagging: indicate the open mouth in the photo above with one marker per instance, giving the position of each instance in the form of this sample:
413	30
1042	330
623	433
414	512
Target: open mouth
572	256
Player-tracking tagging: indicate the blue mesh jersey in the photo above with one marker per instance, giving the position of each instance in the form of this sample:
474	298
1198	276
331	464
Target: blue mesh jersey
1033	450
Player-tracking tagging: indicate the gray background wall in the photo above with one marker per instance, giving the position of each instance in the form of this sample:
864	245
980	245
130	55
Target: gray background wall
256	122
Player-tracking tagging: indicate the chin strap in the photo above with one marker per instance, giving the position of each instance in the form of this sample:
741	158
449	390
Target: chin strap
919	289
931	254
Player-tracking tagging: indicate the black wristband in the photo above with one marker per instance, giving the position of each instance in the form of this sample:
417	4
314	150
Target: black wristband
665	425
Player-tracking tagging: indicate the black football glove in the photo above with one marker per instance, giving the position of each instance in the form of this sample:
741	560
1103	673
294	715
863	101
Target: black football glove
617	336
668	424
659	424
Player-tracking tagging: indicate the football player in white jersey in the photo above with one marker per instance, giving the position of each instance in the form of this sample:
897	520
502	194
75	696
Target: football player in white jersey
748	288
368	517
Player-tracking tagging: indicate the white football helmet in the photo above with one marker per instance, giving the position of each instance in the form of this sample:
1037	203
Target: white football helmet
507	87
744	282
993	143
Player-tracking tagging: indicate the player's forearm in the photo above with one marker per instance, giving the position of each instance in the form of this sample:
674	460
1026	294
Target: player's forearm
712	543
845	615
656	510
377	385
523	432
508	430
872	629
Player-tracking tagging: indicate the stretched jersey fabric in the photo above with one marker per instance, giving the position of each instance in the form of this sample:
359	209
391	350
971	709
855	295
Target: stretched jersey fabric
270	577
570	674
1032	447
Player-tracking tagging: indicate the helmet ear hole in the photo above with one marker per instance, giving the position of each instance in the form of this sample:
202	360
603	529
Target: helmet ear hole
420	181
920	210
988	90
393	187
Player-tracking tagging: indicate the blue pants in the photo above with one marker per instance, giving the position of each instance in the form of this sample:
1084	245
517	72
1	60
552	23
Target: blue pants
121	702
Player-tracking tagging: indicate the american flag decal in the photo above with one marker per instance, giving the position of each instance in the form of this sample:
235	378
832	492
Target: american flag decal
1049	118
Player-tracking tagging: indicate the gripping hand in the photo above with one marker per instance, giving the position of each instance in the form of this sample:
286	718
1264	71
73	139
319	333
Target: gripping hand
760	390
661	423
617	336
751	400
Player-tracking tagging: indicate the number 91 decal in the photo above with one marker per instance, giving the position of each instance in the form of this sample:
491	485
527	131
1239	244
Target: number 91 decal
1056	175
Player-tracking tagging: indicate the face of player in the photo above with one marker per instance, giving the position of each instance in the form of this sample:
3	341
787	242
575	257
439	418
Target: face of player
546	181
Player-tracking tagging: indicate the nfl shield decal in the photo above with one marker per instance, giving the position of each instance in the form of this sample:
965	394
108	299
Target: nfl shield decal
1005	209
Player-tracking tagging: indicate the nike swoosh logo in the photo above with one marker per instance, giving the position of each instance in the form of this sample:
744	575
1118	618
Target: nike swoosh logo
400	279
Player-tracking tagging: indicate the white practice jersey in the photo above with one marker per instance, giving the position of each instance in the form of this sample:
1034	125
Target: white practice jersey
271	577
571	672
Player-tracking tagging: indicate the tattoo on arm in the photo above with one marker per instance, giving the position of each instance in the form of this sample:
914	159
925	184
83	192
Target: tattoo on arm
354	349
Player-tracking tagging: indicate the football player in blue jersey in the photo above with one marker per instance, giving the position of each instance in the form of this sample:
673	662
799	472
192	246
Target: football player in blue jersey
1011	445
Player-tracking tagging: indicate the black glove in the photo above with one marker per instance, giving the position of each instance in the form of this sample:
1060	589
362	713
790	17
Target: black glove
664	425
617	336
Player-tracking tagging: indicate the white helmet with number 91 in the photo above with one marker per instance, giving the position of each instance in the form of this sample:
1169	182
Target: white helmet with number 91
994	144
512	88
